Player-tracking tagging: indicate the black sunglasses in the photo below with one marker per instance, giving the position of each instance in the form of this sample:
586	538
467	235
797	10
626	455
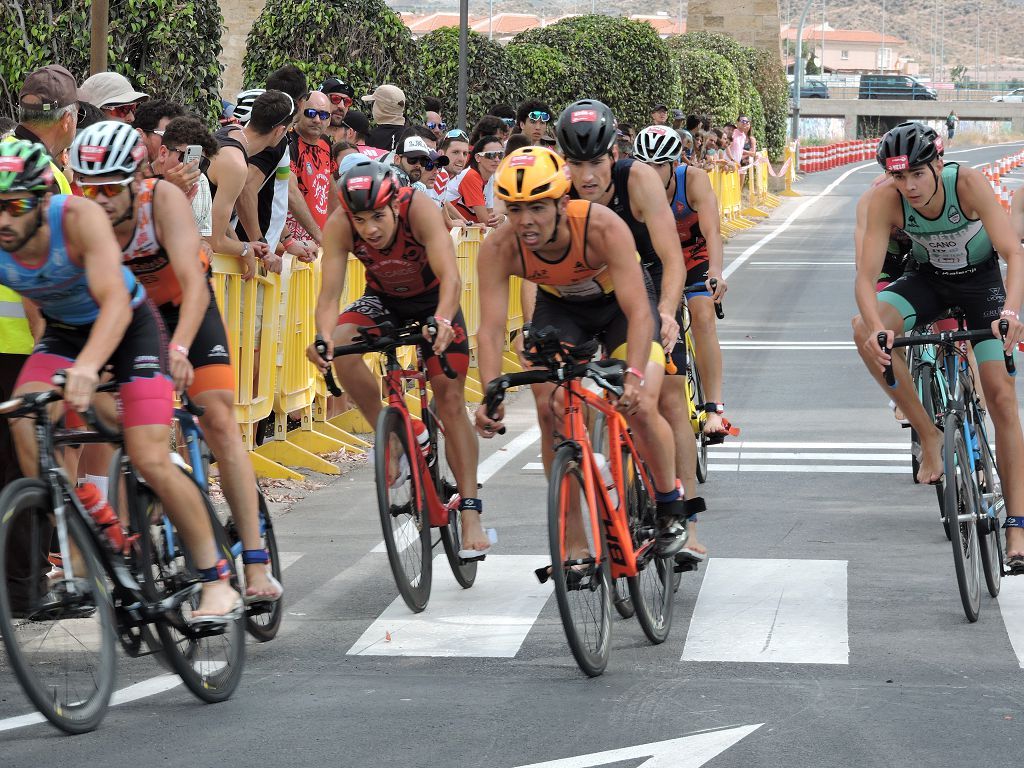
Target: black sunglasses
426	162
313	113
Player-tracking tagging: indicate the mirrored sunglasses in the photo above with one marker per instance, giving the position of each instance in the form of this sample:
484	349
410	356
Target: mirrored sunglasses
315	113
106	188
122	110
509	121
539	117
340	98
437	126
19	206
496	154
457	133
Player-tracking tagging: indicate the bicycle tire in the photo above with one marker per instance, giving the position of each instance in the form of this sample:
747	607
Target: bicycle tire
444	483
263	619
697	400
621	599
932	400
990	545
960	501
210	664
651	590
49	686
574	582
404	519
922	373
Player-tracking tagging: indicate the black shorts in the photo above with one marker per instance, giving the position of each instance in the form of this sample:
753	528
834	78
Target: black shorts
373	308
209	350
696	280
923	295
139	364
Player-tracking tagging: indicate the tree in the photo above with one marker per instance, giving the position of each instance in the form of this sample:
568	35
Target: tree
958	75
710	85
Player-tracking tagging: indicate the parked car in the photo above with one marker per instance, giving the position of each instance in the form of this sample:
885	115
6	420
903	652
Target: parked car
810	88
1014	95
894	87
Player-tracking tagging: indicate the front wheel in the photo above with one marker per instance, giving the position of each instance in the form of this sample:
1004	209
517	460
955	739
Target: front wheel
582	581
989	502
403	514
60	632
961	516
696	392
262	620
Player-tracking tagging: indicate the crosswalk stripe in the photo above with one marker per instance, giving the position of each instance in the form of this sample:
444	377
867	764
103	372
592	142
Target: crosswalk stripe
865	469
774	611
490	620
790	456
1011	606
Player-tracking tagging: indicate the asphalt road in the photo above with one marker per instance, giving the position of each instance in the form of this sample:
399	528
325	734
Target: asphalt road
825	629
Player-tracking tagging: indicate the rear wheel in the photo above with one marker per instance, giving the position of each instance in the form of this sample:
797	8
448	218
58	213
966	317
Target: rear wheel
60	633
582	582
403	517
208	660
989	503
961	515
447	490
652	588
262	620
697	400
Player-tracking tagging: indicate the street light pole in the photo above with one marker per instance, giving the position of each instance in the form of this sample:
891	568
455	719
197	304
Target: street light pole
798	70
463	60
99	20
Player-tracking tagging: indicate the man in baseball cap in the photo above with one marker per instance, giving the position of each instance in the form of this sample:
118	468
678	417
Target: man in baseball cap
113	94
341	95
389	113
48	102
659	114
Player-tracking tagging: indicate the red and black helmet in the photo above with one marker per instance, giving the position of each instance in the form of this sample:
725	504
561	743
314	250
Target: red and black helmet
367	186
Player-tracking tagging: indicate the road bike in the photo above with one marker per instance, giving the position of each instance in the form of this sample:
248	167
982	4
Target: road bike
416	488
597	531
972	498
61	624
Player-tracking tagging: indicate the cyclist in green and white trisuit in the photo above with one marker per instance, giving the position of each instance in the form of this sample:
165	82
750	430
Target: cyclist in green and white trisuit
956	226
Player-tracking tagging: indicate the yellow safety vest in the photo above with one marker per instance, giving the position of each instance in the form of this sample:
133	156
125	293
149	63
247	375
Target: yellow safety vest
15	335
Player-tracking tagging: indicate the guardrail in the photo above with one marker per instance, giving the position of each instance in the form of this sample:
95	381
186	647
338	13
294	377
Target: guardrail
828	156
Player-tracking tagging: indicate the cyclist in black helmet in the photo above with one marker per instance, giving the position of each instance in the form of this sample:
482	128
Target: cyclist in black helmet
956	226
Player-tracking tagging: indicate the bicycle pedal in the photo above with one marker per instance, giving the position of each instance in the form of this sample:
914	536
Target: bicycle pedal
686	567
468	560
543	574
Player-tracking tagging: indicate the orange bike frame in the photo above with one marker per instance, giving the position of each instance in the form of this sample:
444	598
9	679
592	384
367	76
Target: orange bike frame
614	520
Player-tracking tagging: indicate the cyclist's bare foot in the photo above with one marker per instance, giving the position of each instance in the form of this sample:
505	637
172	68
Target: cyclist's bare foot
692	544
259	582
473	534
218	598
931	467
714	424
1014	542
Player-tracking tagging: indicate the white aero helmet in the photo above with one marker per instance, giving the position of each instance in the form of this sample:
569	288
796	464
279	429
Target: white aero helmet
244	102
105	149
657	144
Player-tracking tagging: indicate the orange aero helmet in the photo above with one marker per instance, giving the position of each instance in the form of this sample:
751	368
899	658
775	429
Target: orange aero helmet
532	173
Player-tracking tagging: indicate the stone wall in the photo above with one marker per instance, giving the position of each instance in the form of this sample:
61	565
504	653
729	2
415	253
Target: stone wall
750	22
239	16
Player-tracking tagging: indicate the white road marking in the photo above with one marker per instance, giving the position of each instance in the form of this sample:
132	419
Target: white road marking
687	752
796	456
490	620
865	469
407	534
135	692
1011	606
774	611
802	263
812	445
489	466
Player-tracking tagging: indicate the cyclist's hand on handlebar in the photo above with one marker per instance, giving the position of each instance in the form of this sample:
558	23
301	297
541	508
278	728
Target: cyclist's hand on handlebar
321	363
875	352
487	426
80	386
1014	332
719	290
445	335
181	371
669	329
629	402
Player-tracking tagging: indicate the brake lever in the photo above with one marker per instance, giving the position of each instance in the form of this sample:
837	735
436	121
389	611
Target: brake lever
442	358
890	377
1011	366
495	396
719	311
321	349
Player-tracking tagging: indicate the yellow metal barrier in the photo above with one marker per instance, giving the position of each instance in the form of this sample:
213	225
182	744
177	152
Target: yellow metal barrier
790	175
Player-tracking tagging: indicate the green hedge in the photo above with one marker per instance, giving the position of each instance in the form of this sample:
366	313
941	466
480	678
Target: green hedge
621	62
539	72
361	41
167	48
770	81
439	73
710	85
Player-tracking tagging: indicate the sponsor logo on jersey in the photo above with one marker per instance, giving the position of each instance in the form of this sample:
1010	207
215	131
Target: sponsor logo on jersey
953	215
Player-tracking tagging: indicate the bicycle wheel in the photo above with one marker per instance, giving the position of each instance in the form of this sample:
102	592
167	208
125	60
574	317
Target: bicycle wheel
989	498
922	374
652	588
403	518
621	600
697	400
582	584
597	426
961	514
444	483
262	620
209	661
60	633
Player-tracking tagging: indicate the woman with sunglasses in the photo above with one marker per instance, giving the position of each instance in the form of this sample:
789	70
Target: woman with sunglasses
160	244
472	192
59	251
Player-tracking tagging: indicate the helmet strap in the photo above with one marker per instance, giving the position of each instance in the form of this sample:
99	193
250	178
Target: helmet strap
558	221
935	178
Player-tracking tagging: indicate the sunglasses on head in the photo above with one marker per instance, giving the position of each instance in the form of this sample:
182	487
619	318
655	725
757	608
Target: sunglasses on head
437	126
106	188
457	133
744	121
314	113
19	206
340	98
495	154
122	110
509	121
539	117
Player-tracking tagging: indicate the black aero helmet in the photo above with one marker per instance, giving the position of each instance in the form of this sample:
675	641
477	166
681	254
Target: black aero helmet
908	145
367	186
586	130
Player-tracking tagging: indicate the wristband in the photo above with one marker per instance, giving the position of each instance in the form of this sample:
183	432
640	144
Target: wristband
179	349
443	320
1009	313
636	372
286	243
